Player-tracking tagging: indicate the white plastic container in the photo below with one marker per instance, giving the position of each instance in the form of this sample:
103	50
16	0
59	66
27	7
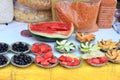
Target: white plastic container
6	11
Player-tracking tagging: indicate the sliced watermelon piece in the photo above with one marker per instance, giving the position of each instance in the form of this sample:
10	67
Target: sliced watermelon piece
76	62
68	59
103	59
48	55
39	59
51	31
95	60
53	60
62	58
45	63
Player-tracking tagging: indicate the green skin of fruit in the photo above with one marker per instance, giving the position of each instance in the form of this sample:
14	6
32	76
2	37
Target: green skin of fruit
50	39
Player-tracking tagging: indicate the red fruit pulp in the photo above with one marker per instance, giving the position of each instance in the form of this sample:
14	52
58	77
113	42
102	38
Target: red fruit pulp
64	63
36	44
34	49
39	59
45	63
76	62
89	61
70	63
62	58
95	60
103	59
68	59
53	60
52	27
48	55
40	48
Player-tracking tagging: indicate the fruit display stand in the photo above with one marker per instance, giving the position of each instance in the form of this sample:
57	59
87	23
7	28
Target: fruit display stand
11	33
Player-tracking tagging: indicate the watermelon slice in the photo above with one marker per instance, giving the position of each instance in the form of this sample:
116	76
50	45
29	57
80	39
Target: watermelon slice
51	31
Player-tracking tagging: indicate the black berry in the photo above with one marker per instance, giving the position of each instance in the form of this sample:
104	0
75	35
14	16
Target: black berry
3	60
3	47
22	59
20	47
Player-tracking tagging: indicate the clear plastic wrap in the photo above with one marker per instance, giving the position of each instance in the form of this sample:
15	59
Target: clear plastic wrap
6	11
106	13
82	14
25	14
36	4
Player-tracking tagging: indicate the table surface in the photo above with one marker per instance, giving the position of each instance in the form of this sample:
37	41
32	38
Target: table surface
11	33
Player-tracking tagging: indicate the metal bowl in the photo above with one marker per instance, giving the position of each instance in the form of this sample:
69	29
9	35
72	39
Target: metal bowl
7	48
50	66
63	51
7	61
98	65
29	47
70	67
13	63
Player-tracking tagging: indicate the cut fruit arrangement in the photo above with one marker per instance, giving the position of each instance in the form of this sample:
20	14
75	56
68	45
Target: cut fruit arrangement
69	61
40	48
113	56
47	60
4	60
64	46
82	37
95	58
51	31
88	47
21	60
4	47
98	61
107	45
44	56
20	47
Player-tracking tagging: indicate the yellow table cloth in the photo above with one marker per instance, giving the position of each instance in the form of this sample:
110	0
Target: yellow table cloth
84	72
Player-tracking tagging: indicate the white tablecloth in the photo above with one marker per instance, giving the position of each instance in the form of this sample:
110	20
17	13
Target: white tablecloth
11	33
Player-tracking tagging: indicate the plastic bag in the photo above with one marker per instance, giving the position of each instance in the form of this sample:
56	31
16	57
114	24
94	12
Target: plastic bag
106	13
36	4
82	14
25	14
6	11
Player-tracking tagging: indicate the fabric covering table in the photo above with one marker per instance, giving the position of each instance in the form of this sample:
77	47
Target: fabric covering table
11	33
85	72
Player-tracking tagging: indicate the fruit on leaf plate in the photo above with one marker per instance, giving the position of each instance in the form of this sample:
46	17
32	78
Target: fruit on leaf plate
88	47
64	46
84	37
96	58
68	61
113	56
51	31
107	45
40	48
47	60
